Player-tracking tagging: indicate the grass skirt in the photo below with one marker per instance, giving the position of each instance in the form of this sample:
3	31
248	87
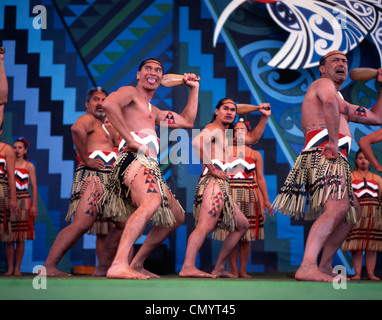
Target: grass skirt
116	199
5	223
367	233
227	219
83	178
310	183
247	195
22	225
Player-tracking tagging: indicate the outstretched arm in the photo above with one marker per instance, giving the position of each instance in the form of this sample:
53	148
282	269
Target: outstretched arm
363	115
186	119
3	82
3	88
365	145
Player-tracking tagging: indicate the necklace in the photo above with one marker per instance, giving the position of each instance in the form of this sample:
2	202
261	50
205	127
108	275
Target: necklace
148	102
363	176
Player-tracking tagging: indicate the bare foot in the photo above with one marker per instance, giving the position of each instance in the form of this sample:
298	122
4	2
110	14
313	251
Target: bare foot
223	274
145	272
329	271
245	275
192	272
356	277
372	277
17	273
100	271
311	273
9	273
123	271
54	272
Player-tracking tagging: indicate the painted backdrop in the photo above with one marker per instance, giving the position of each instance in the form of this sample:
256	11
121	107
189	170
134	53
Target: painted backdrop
252	51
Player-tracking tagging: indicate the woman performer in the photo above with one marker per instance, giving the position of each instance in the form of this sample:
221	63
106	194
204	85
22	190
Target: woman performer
22	223
366	235
249	191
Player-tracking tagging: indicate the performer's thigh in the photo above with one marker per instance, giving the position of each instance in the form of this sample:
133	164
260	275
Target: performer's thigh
241	219
143	185
212	204
174	204
333	205
86	211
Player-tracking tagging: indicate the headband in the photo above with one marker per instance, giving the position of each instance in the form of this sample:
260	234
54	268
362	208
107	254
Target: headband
329	55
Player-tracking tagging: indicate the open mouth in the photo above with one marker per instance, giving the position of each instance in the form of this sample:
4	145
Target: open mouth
152	80
340	71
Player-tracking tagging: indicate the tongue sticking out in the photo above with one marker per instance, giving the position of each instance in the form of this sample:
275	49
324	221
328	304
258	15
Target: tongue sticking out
151	80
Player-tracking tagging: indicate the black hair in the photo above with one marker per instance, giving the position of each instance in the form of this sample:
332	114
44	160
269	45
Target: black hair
92	91
219	104
25	143
241	120
355	159
150	59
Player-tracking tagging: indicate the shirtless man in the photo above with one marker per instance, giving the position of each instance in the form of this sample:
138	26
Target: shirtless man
214	208
141	195
325	117
3	87
94	147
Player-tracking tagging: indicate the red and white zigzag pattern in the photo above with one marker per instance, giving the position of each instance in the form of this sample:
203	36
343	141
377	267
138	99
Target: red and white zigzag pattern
22	179
365	188
108	157
151	141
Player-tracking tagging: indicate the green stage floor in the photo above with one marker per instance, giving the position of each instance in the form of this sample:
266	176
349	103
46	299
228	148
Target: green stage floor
277	286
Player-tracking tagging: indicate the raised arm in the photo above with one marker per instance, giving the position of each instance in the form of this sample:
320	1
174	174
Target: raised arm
3	88
186	119
363	115
3	82
254	136
365	145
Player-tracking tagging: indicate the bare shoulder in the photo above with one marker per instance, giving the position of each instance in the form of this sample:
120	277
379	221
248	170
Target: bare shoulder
321	84
126	92
255	154
8	151
30	166
377	178
84	119
8	148
209	127
124	96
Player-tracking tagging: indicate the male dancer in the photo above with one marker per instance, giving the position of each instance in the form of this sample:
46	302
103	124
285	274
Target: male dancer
94	146
136	192
214	209
321	175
